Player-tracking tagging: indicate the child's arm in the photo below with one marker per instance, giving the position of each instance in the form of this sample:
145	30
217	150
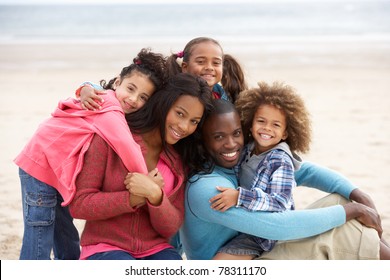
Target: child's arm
277	177
224	200
271	190
89	96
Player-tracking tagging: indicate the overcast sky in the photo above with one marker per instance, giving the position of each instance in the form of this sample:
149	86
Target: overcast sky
115	1
150	1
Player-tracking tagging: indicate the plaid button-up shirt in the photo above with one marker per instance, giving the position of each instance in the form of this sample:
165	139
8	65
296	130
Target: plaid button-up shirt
272	183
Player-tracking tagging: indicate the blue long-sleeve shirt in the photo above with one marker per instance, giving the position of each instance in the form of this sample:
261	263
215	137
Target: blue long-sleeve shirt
205	230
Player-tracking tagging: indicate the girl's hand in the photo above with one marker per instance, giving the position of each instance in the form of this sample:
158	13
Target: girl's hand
142	185
156	176
90	99
136	201
224	200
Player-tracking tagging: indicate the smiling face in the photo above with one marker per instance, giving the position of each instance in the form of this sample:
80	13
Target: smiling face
133	91
205	61
268	128
222	135
183	118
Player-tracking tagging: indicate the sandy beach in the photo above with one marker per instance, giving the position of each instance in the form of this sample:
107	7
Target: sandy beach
345	84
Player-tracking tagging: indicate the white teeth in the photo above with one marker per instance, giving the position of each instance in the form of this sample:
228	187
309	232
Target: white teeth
230	154
265	136
174	132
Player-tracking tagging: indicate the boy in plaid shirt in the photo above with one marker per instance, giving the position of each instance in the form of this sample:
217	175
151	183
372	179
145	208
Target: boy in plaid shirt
275	124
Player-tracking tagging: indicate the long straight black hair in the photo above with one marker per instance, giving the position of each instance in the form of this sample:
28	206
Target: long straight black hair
154	113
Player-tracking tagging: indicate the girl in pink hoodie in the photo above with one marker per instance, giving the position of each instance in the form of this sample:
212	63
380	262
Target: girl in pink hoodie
51	161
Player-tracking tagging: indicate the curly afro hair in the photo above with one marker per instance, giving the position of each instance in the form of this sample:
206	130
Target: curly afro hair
285	99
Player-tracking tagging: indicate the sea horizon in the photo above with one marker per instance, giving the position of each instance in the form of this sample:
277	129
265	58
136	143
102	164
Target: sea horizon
343	21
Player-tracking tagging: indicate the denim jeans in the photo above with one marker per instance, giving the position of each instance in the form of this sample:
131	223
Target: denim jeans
166	254
176	243
47	225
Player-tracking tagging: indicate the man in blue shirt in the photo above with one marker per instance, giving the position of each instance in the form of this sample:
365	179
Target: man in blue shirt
205	230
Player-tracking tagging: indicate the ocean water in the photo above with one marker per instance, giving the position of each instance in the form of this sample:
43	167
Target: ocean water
256	21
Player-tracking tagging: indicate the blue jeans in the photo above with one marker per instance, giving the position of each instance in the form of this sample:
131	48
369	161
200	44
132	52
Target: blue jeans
47	225
166	254
176	243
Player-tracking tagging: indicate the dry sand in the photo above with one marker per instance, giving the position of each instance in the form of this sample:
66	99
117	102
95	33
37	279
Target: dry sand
345	84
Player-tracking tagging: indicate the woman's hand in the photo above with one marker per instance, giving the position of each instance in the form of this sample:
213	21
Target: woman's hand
224	200
90	99
142	185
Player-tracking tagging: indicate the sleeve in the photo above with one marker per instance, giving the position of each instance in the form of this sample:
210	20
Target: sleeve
286	225
95	86
272	187
90	201
167	218
324	179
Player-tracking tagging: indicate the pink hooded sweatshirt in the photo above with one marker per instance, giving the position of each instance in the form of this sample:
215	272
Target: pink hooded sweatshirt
55	153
